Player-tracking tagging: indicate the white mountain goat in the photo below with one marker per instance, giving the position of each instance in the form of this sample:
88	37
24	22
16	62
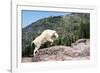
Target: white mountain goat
46	36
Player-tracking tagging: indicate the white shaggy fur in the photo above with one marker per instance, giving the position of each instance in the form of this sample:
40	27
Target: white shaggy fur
46	35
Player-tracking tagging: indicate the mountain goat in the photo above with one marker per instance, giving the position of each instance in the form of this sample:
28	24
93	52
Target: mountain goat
46	36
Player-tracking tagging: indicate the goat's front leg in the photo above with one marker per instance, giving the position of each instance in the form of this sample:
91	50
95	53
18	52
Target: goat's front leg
50	40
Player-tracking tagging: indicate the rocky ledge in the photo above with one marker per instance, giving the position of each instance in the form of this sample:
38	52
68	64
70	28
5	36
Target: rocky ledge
80	50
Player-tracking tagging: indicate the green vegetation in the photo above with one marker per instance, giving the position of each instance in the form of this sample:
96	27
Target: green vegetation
69	27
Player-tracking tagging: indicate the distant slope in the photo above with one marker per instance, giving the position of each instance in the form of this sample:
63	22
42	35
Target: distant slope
69	27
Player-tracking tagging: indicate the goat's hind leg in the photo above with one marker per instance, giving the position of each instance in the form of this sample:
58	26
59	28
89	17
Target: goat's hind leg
35	50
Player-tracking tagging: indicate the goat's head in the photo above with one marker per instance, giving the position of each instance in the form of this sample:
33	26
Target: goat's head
55	35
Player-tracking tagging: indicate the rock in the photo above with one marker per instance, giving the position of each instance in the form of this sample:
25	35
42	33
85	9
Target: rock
82	45
27	59
80	50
